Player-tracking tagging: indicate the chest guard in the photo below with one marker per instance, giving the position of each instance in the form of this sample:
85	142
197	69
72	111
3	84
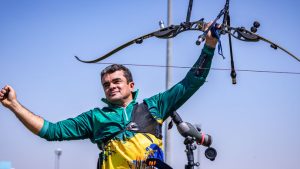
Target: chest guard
143	120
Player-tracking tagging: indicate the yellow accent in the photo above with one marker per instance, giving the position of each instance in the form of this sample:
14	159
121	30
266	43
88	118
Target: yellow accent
130	153
160	121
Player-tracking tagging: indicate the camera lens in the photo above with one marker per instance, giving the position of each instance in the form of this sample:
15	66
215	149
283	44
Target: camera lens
210	153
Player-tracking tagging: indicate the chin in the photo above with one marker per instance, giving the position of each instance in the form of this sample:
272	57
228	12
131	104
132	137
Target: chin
114	99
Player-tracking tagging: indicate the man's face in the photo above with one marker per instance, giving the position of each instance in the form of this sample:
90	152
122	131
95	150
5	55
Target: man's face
116	88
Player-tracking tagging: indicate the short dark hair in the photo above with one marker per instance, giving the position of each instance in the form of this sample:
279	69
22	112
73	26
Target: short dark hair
115	67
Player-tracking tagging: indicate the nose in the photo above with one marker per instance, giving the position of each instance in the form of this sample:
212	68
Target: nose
112	86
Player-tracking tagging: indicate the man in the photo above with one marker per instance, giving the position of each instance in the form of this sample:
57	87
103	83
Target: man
127	133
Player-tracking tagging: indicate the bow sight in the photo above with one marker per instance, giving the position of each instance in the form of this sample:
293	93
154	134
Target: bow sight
239	33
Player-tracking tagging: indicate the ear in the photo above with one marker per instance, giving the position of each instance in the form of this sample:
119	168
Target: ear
131	85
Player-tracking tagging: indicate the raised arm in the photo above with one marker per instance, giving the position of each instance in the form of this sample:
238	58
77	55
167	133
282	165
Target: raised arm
162	104
8	99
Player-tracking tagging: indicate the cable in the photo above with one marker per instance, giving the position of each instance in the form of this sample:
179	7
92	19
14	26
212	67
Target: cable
218	69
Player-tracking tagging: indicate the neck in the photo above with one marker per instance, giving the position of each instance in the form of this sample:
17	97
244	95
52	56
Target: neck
124	102
127	102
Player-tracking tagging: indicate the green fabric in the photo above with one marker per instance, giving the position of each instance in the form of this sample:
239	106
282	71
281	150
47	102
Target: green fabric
97	124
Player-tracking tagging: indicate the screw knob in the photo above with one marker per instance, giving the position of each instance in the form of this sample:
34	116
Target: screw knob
256	24
253	29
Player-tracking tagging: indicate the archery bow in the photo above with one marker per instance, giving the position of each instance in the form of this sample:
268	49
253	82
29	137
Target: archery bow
172	31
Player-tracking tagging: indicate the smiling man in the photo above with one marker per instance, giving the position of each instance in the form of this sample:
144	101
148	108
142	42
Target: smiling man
127	133
117	84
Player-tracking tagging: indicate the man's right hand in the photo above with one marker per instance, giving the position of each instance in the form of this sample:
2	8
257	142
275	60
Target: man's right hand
8	96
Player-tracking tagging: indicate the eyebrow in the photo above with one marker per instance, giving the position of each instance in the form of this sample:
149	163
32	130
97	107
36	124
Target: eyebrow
113	80
116	79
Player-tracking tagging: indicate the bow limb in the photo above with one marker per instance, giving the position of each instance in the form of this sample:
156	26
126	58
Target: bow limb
248	36
164	33
137	40
275	46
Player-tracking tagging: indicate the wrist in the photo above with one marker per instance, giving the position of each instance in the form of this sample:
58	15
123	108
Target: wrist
14	105
211	43
208	50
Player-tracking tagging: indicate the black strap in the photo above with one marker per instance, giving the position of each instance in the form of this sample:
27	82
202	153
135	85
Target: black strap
145	121
100	159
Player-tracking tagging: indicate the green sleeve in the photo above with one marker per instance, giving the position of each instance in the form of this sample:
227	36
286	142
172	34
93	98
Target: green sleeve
162	104
76	128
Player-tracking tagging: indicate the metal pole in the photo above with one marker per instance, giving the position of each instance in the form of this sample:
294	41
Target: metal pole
167	144
57	152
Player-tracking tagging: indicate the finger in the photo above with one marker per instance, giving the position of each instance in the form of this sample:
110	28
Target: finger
7	87
3	91
2	94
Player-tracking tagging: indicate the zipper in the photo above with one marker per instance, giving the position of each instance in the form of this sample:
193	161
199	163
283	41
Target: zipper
125	112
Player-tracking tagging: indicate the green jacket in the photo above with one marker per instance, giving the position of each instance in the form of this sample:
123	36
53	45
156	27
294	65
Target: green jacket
98	124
